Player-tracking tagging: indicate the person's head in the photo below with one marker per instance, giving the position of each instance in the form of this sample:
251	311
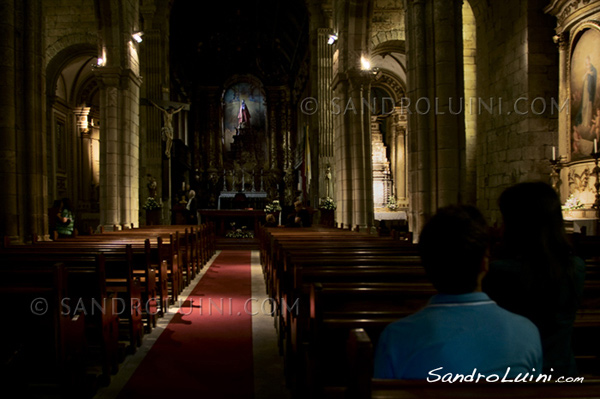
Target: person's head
56	204
270	218
533	223
66	204
298	205
454	249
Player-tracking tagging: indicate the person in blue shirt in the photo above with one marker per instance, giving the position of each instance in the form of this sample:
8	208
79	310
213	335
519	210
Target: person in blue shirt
461	331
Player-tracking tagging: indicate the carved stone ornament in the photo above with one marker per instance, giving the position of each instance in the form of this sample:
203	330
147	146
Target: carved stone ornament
579	182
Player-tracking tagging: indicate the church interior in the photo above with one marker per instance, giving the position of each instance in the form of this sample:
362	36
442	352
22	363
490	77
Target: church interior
190	121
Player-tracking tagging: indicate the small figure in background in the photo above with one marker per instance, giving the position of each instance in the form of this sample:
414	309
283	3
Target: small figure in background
66	220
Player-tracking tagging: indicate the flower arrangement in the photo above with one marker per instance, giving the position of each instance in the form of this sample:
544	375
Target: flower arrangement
239	233
392	205
273	207
572	203
327	203
151	204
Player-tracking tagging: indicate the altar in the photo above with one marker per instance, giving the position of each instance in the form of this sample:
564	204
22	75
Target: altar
223	218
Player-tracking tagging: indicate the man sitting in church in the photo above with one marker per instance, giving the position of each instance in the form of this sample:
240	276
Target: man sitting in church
460	331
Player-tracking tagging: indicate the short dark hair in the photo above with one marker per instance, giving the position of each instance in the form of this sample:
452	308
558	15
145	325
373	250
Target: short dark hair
452	246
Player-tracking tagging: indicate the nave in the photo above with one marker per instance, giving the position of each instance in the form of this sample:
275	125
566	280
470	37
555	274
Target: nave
348	286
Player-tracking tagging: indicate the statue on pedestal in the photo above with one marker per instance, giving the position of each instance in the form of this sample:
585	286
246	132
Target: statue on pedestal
243	115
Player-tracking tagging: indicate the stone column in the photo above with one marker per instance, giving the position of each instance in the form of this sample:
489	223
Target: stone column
9	225
33	111
400	181
354	165
449	78
119	146
437	139
85	170
421	195
564	136
109	146
130	149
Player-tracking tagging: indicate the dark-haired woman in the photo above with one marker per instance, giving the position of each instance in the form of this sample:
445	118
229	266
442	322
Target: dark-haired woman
536	274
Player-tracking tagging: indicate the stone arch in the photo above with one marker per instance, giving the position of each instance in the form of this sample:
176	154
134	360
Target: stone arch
74	43
62	58
392	83
386	37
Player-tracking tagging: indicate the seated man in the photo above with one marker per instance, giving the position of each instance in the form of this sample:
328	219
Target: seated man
461	330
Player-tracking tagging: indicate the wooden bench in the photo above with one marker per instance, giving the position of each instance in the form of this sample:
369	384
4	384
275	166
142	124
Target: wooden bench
40	344
361	385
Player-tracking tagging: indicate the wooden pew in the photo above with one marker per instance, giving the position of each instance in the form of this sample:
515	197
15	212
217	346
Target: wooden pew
40	344
87	293
361	385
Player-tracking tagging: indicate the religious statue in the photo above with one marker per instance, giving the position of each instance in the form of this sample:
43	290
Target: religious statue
328	181
167	129
243	115
152	185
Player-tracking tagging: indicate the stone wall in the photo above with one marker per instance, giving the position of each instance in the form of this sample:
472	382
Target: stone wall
387	22
516	74
68	23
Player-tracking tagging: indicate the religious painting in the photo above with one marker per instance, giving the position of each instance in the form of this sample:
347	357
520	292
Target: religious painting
244	112
585	94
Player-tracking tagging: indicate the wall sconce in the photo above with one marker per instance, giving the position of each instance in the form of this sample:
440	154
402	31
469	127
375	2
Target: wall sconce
332	39
137	36
99	63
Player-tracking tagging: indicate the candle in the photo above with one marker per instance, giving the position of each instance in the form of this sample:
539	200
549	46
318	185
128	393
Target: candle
183	186
595	146
554	153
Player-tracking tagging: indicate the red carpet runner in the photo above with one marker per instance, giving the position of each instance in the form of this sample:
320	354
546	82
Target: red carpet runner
206	350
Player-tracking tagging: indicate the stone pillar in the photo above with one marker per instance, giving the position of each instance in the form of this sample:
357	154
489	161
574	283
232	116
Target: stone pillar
354	167
449	78
399	171
119	146
85	169
564	136
154	64
324	112
33	112
9	225
422	191
437	140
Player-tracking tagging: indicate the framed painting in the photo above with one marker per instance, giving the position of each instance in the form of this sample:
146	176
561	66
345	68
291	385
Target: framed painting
584	92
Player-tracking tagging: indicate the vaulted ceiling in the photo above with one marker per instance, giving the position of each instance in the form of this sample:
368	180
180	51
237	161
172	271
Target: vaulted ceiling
211	41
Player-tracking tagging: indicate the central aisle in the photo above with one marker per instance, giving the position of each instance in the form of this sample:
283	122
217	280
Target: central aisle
206	350
195	350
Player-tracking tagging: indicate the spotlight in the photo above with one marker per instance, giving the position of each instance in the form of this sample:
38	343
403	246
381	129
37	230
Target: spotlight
365	64
137	36
332	39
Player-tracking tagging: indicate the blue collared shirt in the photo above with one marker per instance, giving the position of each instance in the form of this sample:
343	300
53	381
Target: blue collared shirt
459	334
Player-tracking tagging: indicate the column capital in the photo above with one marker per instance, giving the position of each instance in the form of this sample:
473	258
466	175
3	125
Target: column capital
116	77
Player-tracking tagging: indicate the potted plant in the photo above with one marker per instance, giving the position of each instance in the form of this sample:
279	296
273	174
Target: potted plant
152	208
327	207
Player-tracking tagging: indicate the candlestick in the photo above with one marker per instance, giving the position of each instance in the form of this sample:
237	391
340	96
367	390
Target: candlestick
556	165
595	145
